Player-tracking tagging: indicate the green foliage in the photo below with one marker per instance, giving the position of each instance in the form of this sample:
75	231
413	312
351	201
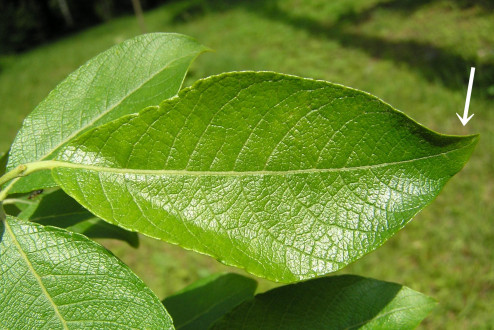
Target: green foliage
338	302
286	177
141	72
55	279
51	208
56	208
202	303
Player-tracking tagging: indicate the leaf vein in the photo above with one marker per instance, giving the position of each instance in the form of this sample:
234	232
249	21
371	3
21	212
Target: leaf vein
36	276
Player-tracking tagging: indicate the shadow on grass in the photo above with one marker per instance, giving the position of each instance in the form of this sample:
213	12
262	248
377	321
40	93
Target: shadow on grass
411	5
434	63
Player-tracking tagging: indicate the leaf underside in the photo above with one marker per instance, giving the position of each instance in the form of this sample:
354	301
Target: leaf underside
54	279
286	177
338	302
124	79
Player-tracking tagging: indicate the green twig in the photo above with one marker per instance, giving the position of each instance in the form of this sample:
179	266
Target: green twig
18	171
4	192
12	175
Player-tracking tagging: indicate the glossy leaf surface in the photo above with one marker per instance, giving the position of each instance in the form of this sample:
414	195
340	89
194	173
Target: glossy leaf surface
54	279
126	78
338	302
286	177
202	303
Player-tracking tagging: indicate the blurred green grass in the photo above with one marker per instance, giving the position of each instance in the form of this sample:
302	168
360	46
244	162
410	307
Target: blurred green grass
414	54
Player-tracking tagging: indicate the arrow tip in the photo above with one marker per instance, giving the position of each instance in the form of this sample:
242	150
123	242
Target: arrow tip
464	120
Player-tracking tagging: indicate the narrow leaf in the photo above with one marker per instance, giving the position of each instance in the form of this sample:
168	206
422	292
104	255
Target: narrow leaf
202	303
137	73
56	208
338	302
286	177
97	228
54	279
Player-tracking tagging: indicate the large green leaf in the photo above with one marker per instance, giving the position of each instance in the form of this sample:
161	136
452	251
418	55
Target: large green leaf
202	303
339	302
137	73
54	279
286	177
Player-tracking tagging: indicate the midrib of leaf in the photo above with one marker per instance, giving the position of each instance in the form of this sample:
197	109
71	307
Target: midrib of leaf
51	164
17	200
36	276
113	106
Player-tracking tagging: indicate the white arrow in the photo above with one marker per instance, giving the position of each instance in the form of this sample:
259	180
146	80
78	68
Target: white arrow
464	120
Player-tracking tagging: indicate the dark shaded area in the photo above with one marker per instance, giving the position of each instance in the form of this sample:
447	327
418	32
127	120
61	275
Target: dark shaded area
58	209
97	228
28	23
336	302
410	5
202	303
434	63
4	158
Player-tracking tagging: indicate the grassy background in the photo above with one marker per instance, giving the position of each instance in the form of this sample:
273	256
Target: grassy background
414	54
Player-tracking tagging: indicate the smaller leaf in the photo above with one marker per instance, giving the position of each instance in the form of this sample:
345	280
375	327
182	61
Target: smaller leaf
337	302
24	204
54	279
97	228
202	303
56	208
134	74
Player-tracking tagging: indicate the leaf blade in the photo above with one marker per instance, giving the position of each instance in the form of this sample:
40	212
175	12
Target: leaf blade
139	72
97	228
203	302
338	302
56	208
60	275
265	172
